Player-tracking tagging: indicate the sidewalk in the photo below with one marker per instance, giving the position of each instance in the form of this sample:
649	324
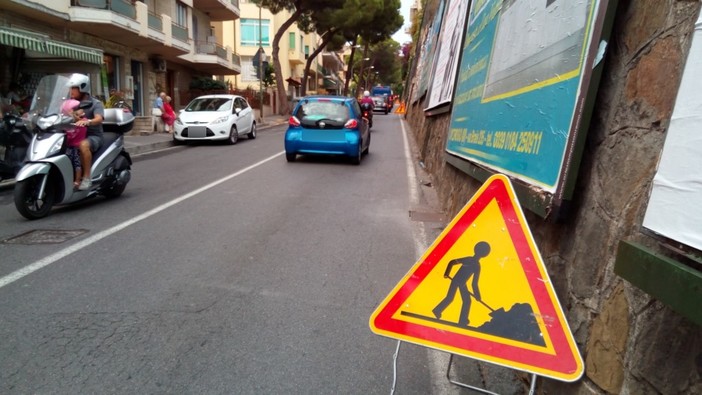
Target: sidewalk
139	145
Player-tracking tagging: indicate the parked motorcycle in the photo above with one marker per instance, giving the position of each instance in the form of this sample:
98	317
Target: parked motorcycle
14	140
367	110
47	177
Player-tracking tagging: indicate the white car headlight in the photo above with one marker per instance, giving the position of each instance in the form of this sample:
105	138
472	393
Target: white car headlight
178	121
220	120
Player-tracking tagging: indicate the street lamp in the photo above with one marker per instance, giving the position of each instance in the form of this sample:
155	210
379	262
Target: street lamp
262	58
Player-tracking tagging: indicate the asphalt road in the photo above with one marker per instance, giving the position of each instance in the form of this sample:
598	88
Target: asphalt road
222	269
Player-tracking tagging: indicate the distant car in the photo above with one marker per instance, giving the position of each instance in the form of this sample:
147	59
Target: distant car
215	117
379	104
327	125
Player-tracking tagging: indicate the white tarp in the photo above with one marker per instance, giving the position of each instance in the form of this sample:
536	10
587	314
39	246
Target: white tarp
675	207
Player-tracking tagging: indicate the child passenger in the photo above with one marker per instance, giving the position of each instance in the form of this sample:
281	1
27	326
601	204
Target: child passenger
73	137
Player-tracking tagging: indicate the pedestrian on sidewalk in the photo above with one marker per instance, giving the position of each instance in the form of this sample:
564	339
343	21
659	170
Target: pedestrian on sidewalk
168	115
157	110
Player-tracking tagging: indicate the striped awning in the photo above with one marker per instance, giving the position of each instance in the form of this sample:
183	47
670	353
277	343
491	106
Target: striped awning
21	39
42	43
71	51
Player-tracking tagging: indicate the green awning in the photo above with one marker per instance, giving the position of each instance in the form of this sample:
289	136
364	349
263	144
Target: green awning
42	43
21	39
71	51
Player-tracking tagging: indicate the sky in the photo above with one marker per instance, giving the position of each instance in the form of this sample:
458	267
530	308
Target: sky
400	36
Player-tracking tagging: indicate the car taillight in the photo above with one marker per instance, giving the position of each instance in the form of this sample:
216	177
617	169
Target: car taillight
351	124
293	121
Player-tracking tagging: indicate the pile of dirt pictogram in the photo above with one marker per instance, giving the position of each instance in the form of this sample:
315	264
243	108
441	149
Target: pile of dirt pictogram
517	323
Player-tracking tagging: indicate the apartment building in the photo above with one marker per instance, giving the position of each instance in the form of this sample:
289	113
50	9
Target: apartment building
247	34
136	47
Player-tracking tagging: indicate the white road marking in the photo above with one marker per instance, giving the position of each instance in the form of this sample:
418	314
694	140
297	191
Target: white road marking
438	361
42	263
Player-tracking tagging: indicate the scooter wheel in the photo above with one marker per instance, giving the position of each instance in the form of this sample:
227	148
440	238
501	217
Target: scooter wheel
114	191
27	199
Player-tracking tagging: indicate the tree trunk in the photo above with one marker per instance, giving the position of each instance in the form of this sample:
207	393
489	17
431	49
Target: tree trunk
326	37
349	68
283	104
359	87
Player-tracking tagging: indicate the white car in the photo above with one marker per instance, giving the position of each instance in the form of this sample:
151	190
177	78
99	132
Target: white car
215	117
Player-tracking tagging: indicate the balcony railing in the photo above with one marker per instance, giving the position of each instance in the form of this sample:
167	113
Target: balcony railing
212	48
122	7
155	22
179	32
221	52
236	59
235	3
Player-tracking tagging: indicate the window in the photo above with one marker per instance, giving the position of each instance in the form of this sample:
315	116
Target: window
241	103
181	18
307	51
292	41
250	32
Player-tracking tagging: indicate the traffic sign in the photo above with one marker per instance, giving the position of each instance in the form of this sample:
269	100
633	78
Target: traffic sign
481	290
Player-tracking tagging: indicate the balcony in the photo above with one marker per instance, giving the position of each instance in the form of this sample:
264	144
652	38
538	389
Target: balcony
331	60
212	58
129	21
219	10
296	57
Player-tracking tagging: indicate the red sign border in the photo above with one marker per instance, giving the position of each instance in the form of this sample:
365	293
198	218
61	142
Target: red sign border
564	361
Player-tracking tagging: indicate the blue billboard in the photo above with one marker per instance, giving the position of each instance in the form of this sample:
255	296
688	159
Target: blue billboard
520	88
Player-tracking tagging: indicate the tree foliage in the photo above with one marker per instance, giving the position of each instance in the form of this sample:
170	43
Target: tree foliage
300	10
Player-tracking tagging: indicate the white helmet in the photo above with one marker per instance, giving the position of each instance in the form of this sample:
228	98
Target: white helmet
366	93
80	81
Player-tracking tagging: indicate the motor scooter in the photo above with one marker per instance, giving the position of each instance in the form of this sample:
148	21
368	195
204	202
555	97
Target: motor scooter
46	179
367	113
14	140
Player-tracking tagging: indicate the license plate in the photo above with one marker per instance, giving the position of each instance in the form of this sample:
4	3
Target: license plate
197	131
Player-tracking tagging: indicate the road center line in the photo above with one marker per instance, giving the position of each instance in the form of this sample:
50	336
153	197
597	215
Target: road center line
33	267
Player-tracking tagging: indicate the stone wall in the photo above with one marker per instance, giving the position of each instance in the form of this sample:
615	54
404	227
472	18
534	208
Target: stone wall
631	343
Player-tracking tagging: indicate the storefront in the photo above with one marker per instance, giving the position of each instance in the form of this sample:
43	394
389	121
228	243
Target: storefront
27	56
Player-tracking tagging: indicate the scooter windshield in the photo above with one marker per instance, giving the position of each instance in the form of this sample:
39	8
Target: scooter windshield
51	92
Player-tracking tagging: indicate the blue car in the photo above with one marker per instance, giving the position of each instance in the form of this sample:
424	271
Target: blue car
327	125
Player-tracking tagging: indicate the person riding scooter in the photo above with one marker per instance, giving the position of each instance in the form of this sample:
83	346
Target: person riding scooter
367	107
366	98
94	115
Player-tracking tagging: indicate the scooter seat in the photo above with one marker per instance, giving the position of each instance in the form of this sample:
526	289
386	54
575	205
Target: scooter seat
107	139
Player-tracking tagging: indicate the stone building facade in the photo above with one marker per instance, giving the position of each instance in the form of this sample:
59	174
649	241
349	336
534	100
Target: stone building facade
631	342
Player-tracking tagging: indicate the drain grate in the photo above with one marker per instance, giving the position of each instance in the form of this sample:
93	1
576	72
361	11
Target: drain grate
45	236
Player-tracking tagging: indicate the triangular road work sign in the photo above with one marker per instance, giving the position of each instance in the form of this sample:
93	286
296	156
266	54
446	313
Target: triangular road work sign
482	291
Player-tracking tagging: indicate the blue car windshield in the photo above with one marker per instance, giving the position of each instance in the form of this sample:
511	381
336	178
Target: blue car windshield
313	111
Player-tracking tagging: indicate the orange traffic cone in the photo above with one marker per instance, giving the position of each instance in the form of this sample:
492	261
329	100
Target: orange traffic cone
400	109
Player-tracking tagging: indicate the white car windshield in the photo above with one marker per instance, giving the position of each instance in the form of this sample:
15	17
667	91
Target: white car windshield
210	104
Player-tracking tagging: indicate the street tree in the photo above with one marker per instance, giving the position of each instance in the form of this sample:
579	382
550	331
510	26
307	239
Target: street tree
379	27
298	9
337	26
